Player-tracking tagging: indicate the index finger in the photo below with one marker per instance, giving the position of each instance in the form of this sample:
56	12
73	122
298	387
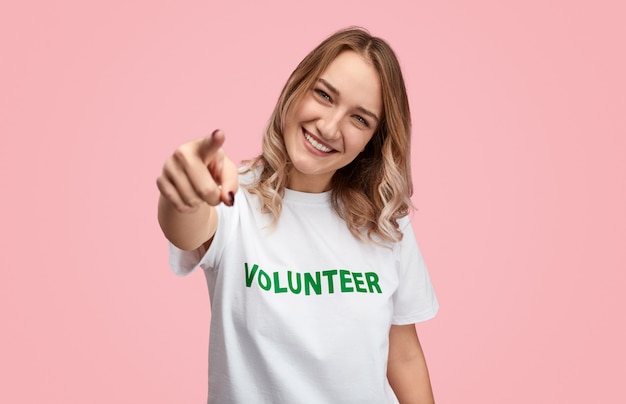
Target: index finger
210	145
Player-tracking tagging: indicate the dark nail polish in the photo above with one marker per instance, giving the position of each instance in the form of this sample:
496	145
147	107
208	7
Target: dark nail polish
231	198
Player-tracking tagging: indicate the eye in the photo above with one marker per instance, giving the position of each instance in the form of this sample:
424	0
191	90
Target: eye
323	94
361	120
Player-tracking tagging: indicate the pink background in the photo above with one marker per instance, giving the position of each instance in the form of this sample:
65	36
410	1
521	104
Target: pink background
519	166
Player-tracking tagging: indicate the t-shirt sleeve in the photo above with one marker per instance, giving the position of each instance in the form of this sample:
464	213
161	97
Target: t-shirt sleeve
415	299
185	262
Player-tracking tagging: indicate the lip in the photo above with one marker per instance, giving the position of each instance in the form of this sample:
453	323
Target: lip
312	149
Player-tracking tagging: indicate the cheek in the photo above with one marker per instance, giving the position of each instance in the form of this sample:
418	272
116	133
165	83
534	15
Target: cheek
306	111
358	142
293	114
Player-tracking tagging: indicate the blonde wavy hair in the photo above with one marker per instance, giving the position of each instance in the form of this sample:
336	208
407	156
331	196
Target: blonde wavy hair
373	191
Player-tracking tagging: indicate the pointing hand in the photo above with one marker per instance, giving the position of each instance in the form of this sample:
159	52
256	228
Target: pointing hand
199	172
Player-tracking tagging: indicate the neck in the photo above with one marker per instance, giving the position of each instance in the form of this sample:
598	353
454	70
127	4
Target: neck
313	184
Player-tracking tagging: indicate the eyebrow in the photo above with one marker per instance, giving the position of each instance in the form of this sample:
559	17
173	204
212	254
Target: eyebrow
336	92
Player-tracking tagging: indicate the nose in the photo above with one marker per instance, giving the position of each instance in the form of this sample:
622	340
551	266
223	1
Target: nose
328	124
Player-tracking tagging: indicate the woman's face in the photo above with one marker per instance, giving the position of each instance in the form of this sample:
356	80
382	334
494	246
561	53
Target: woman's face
333	122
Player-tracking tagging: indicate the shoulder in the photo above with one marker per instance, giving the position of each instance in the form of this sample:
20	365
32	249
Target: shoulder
248	176
408	241
248	205
404	224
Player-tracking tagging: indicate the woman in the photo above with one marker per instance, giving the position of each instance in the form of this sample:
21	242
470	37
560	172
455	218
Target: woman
315	277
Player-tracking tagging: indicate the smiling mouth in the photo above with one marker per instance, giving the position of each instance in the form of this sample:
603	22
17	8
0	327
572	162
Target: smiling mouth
317	145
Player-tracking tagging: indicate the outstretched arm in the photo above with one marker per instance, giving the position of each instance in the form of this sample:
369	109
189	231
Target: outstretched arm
197	177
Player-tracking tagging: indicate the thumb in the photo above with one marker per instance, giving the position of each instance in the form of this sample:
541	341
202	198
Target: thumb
229	181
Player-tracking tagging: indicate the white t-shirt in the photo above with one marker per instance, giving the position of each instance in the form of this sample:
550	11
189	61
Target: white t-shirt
301	313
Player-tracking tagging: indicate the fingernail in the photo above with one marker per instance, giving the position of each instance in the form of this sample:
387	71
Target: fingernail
214	132
231	198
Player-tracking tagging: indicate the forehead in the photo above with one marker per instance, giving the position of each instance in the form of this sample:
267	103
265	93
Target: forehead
356	80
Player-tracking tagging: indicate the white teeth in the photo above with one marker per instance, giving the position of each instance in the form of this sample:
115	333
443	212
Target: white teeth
316	144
